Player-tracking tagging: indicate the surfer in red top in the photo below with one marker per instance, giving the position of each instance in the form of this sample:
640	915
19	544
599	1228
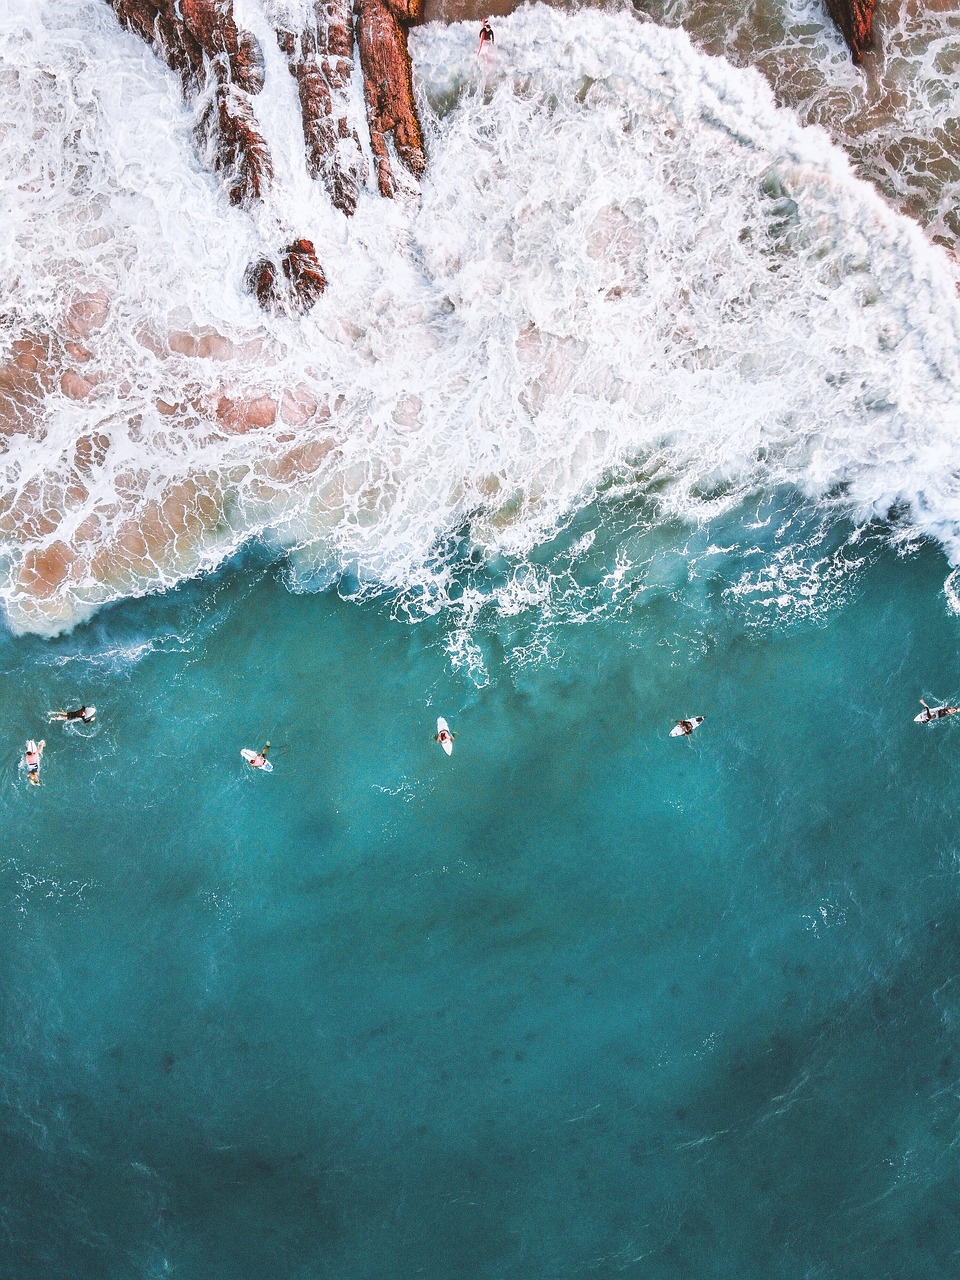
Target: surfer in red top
31	760
486	35
684	728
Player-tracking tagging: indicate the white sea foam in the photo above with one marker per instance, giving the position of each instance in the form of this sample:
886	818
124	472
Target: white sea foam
624	261
897	116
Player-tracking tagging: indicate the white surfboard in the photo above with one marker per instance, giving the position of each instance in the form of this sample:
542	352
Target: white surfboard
249	755
929	714
446	743
677	730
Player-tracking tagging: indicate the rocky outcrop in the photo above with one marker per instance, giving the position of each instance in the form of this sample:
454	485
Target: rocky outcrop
220	68
233	145
388	85
855	20
293	284
320	58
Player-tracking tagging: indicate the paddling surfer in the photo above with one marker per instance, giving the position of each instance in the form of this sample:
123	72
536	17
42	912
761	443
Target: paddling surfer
934	713
259	761
684	728
86	714
444	737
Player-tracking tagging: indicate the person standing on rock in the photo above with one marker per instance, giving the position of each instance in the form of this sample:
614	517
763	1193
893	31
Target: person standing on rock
486	35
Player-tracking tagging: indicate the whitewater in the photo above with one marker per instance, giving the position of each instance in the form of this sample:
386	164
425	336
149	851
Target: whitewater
627	273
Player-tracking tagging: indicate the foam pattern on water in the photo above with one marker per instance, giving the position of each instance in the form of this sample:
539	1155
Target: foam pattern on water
628	277
897	116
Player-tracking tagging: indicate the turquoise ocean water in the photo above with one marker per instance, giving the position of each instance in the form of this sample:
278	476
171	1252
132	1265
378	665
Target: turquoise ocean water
581	1000
642	404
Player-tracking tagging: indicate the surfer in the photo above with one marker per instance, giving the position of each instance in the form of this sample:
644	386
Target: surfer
258	760
31	760
684	728
934	713
86	714
486	35
444	735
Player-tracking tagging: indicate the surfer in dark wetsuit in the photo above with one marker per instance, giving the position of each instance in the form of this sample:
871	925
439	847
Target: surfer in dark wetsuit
935	713
486	35
86	714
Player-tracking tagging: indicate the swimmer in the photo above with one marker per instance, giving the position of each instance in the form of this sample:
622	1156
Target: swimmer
934	713
86	714
684	728
31	760
486	35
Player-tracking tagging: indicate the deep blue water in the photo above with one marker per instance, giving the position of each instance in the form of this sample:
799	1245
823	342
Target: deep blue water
581	1000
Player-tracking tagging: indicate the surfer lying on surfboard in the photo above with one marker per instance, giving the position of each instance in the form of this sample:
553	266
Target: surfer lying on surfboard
444	736
86	714
258	759
684	728
31	760
934	713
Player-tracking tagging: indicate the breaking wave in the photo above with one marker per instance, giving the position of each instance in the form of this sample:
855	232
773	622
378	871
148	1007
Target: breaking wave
627	277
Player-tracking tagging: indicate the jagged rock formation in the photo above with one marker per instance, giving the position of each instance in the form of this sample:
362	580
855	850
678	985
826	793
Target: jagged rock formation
320	58
388	85
294	284
220	68
855	20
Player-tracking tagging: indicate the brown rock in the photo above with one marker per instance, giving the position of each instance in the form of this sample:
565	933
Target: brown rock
220	67
320	58
251	70
233	145
855	20
261	280
388	85
303	271
199	39
294	285
212	25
